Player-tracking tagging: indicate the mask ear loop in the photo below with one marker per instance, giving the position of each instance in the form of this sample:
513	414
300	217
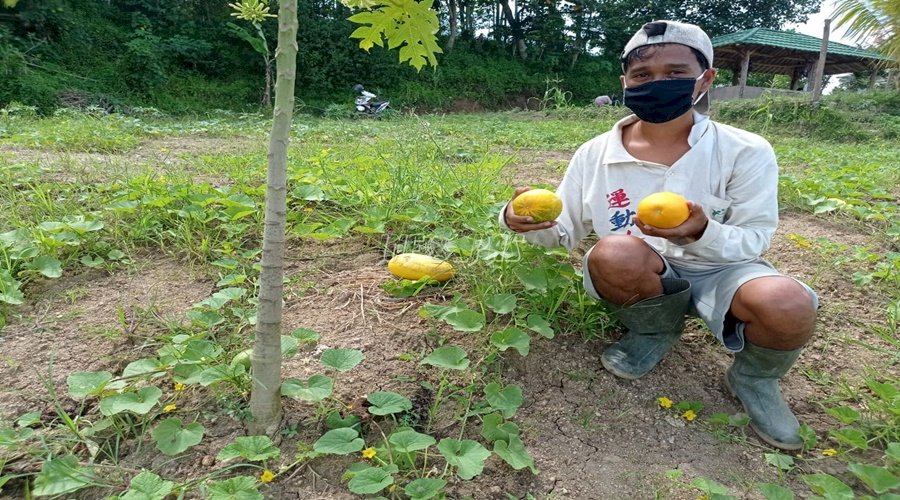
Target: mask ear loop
701	93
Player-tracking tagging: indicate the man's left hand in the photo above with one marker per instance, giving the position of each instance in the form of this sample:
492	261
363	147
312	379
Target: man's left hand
688	232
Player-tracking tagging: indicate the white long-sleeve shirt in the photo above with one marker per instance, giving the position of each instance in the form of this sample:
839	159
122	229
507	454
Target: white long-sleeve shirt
731	173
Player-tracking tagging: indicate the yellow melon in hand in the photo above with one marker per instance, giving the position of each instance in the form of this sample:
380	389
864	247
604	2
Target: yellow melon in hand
664	210
539	204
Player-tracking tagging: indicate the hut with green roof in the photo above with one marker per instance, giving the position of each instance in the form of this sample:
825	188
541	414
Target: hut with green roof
768	51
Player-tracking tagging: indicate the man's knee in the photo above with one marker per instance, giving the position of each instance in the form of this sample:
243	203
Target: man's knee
778	303
623	256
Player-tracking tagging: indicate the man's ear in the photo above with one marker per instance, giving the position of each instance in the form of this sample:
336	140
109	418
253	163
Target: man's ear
708	78
622	80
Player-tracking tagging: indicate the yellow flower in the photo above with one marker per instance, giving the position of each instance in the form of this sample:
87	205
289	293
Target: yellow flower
368	453
664	402
703	497
689	415
830	452
169	408
179	387
267	476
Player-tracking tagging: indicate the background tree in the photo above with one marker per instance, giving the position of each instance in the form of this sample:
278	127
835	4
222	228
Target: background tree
872	22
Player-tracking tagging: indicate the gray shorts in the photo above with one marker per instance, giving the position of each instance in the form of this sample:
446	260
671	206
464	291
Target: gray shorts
712	291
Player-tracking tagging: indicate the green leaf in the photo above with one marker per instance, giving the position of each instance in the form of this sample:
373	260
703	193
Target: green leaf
308	192
512	337
305	336
341	360
424	488
774	492
504	399
450	357
386	403
29	419
236	488
879	479
710	487
407	24
289	346
886	392
61	475
83	226
91	261
171	438
501	303
139	402
466	455
851	436
403	288
115	255
466	320
314	389
336	421
845	414
537	323
829	486
494	429
893	451
409	441
83	384
514	453
808	435
370	481
143	366
205	318
148	486
48	266
533	278
780	460
339	442
250	448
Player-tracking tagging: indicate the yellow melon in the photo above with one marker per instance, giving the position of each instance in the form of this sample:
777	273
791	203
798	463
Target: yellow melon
539	204
415	266
664	210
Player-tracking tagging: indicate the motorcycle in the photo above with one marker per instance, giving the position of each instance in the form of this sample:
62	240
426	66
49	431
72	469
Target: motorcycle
367	103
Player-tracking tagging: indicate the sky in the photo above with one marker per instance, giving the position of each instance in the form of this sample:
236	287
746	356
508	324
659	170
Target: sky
815	26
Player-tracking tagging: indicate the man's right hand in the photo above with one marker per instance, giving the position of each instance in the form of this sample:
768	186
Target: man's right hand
522	224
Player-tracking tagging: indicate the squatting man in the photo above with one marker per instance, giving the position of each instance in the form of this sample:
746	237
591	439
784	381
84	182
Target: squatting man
710	265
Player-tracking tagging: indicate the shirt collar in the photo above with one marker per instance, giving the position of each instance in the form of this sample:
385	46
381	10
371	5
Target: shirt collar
616	152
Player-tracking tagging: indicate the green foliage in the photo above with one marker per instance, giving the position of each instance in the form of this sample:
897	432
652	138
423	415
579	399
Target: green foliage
433	187
407	24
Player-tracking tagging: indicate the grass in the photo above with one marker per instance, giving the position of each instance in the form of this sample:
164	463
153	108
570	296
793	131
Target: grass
429	184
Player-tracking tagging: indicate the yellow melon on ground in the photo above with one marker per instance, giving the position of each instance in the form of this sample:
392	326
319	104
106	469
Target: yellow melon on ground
415	266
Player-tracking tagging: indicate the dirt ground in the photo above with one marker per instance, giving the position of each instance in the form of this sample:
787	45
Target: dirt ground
593	436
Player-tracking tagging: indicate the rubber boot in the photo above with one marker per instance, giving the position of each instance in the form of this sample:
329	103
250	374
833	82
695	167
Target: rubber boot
654	325
753	379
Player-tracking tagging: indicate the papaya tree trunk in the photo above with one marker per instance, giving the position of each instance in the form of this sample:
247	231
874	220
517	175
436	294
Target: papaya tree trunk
453	9
265	396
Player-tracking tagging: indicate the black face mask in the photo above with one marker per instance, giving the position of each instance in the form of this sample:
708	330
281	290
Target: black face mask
660	101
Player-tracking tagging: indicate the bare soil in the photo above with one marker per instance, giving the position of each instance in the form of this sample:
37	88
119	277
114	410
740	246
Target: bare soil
593	436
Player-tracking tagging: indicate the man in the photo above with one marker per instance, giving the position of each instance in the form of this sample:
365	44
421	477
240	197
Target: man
709	265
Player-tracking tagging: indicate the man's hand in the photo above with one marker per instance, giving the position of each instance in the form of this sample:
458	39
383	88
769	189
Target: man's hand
521	224
688	232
